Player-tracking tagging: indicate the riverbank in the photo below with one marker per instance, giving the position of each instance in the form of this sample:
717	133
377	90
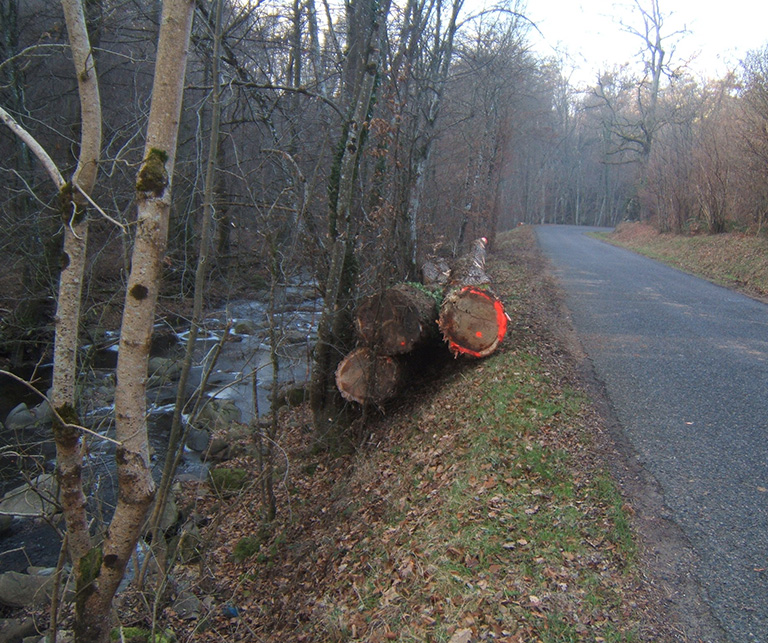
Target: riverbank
734	260
478	507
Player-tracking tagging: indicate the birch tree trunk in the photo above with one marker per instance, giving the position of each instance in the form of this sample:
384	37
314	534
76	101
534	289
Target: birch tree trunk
73	203
153	187
175	441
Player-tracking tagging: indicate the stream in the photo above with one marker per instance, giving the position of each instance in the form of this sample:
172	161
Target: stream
245	352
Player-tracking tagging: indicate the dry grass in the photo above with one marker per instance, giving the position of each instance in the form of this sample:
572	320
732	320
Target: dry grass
733	259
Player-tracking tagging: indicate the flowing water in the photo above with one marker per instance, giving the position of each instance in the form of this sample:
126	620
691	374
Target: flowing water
246	353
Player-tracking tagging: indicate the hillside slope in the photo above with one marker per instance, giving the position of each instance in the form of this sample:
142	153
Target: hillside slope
477	507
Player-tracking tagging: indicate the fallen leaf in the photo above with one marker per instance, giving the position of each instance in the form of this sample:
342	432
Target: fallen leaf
461	636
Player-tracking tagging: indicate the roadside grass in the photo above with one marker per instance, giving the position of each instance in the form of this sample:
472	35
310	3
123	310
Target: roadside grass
503	535
505	527
479	509
731	259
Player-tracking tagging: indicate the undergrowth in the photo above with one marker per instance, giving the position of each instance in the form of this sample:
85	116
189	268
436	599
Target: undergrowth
477	510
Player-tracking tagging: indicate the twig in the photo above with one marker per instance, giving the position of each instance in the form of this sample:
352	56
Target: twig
55	412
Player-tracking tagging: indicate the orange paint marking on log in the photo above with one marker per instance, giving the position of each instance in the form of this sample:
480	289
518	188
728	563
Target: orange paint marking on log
501	323
478	334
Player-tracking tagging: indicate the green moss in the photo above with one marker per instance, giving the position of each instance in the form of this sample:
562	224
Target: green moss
224	479
246	547
68	414
153	176
88	571
71	212
435	293
141	635
63	433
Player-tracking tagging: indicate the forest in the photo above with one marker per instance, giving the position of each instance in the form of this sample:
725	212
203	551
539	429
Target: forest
336	145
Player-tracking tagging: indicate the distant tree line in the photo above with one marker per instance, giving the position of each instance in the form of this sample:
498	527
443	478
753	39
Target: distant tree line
353	142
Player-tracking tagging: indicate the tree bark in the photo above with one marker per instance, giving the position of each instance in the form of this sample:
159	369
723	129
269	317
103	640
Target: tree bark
365	377
136	487
175	444
472	319
397	320
368	28
69	457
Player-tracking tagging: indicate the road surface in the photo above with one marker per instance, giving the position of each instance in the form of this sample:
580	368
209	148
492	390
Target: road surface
684	364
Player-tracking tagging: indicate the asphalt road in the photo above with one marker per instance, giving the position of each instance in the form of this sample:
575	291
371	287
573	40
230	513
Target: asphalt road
684	364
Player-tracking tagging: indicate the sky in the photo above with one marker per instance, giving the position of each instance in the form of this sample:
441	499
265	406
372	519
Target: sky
719	33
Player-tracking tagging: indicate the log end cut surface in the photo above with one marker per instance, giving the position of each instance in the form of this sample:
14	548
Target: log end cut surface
397	320
473	322
363	376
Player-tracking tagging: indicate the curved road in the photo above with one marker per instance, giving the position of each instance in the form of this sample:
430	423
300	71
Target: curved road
685	368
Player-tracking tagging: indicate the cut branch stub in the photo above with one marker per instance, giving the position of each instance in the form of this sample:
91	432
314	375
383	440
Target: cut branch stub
397	320
472	321
362	376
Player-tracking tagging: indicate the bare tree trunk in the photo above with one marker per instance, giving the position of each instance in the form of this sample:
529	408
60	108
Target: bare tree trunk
361	79
136	488
175	442
443	55
69	457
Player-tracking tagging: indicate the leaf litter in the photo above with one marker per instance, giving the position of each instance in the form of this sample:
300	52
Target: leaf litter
477	509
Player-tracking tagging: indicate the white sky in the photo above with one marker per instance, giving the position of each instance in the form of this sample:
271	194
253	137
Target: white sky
720	32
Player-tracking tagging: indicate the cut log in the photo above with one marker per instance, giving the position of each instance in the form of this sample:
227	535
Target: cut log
435	273
472	318
363	376
399	319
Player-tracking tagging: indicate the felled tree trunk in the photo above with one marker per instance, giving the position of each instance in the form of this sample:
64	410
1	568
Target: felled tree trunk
435	273
397	320
472	319
365	377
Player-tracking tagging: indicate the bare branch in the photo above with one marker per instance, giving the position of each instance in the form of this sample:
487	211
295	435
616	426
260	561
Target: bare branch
35	148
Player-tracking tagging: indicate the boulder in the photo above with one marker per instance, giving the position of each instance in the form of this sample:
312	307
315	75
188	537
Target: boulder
198	439
245	327
164	368
218	451
187	606
31	500
42	413
218	415
171	513
189	544
25	590
13	630
20	417
295	336
62	636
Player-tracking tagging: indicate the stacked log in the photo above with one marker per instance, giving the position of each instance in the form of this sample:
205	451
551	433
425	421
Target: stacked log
397	320
472	318
365	377
390	325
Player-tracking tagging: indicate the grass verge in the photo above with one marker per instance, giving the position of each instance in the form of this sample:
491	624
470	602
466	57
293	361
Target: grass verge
734	259
478	510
